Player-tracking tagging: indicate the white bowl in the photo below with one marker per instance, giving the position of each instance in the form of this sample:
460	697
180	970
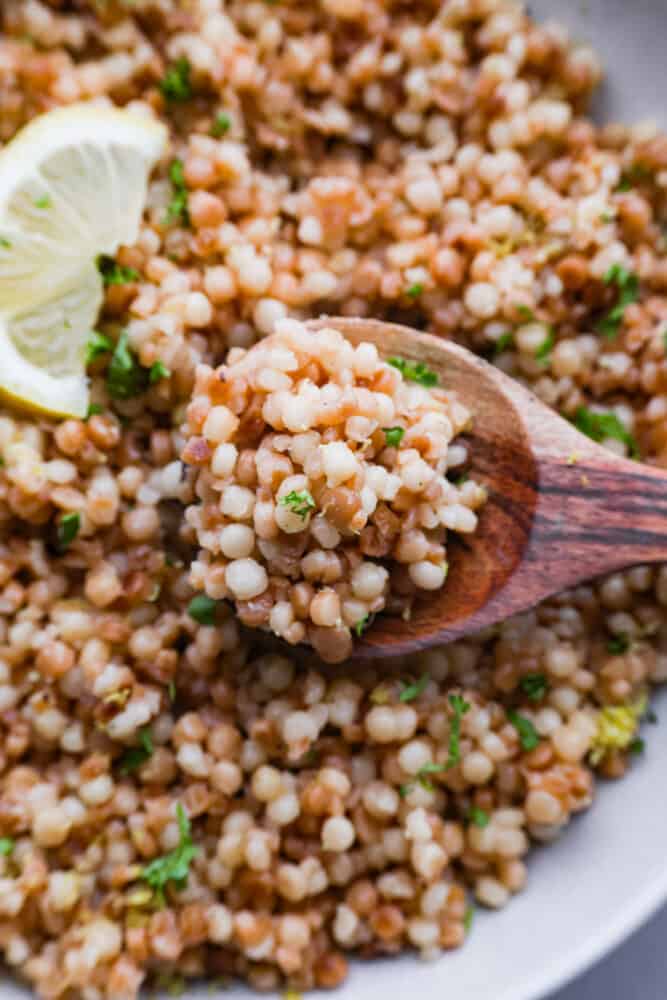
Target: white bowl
608	872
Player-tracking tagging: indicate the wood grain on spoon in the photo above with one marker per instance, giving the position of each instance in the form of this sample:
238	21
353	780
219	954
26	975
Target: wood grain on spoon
561	509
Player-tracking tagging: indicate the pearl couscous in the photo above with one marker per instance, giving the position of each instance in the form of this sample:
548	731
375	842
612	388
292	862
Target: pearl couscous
315	461
178	800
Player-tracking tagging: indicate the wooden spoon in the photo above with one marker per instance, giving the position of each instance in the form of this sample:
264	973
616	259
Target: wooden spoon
561	509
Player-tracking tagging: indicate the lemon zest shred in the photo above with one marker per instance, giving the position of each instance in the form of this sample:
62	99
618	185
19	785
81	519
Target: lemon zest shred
616	728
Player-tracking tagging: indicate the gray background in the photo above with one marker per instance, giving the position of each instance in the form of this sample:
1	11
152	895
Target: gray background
636	971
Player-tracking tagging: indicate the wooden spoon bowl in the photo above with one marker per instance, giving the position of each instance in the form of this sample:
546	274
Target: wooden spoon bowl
561	509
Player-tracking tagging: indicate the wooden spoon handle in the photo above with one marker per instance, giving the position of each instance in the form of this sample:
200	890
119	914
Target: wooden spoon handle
592	517
596	516
594	512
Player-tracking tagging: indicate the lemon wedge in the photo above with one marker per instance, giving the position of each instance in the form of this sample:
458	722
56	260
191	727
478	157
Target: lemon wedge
73	185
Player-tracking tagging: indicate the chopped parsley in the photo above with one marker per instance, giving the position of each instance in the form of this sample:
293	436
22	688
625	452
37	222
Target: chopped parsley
414	291
300	502
664	340
618	644
599	426
468	918
459	706
637	746
176	85
44	201
157	372
221	125
125	376
97	344
412	691
134	757
393	436
504	341
535	686
632	176
68	529
4	242
6	846
478	817
177	209
175	866
93	410
543	352
114	273
202	608
627	283
525	312
423	779
415	371
171	690
423	773
527	733
360	627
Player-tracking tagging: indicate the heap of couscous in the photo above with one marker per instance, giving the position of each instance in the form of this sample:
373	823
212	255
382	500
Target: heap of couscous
323	485
175	800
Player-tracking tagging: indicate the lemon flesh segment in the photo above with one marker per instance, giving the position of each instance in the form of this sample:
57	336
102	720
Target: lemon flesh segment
43	351
29	387
73	185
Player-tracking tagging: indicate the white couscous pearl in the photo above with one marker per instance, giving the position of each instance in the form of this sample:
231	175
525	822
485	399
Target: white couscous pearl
224	460
338	462
338	834
368	581
482	300
427	575
424	195
246	578
267	313
237	502
237	541
198	311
